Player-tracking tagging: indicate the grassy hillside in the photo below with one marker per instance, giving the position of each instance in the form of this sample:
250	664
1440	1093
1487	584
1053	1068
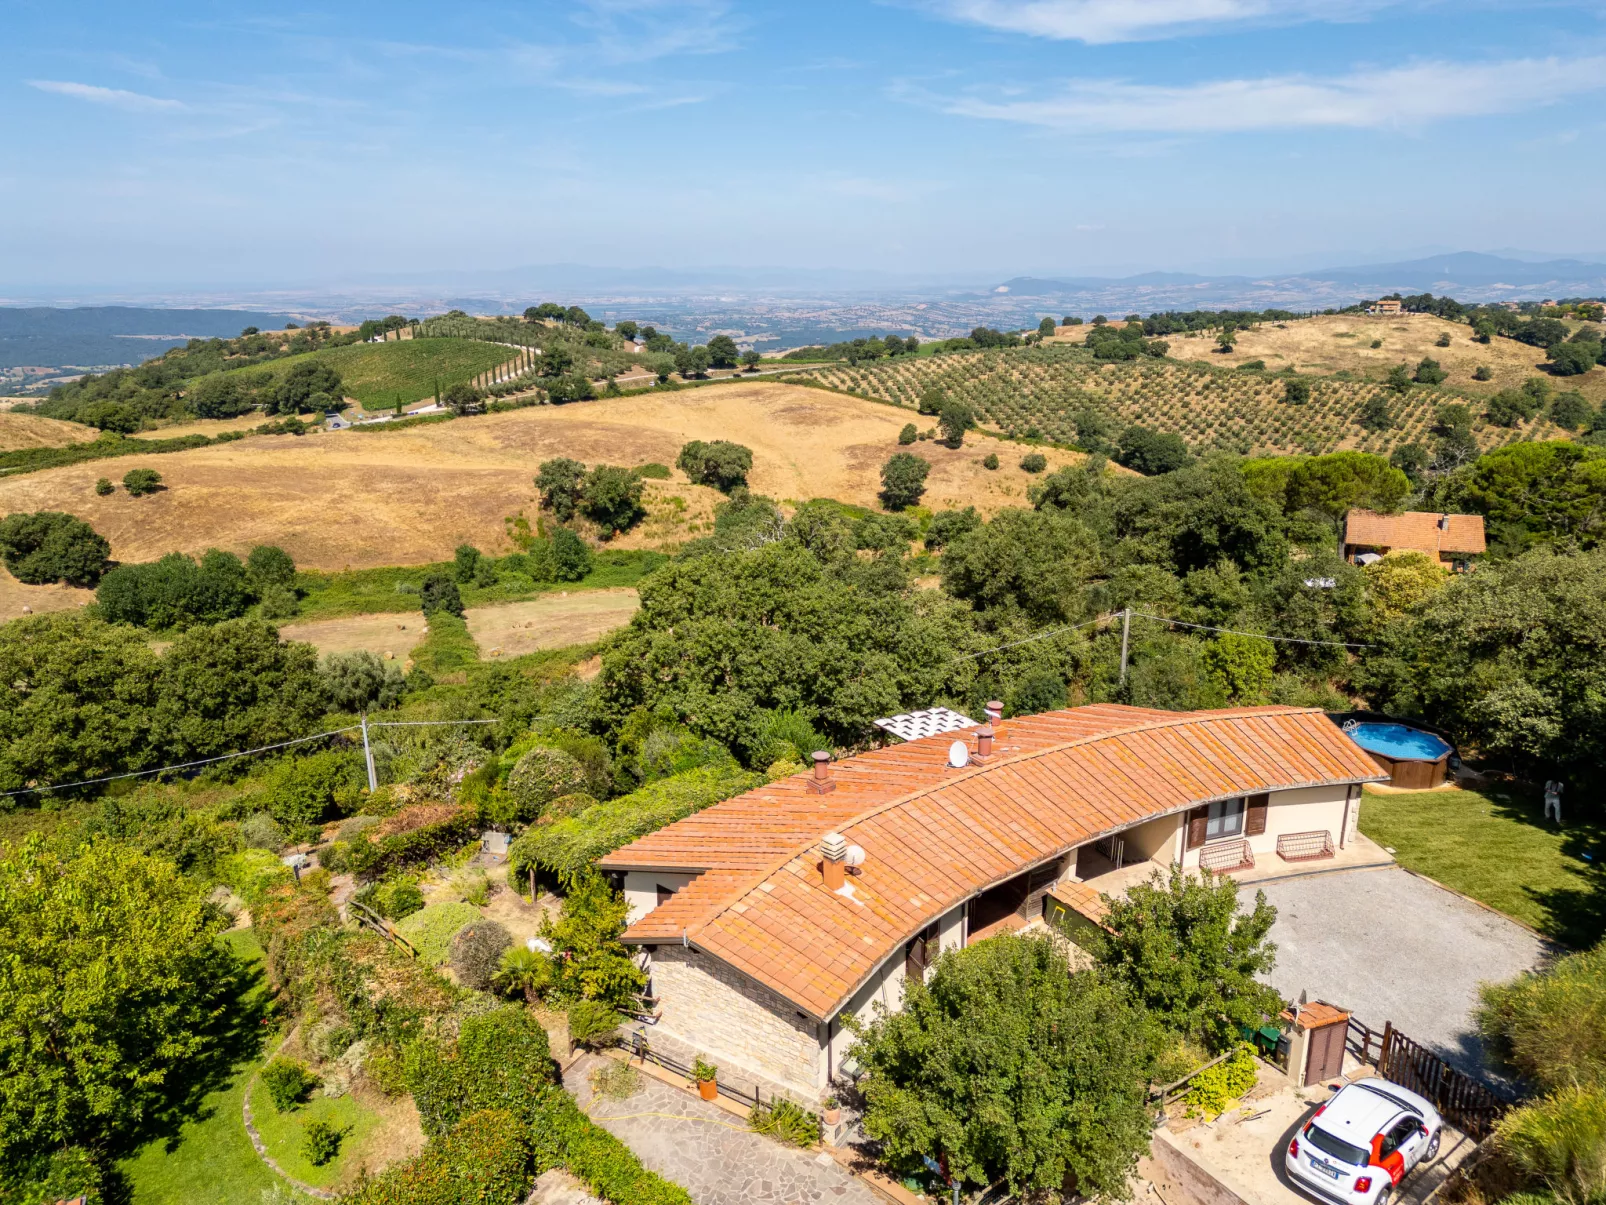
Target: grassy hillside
381	374
1039	391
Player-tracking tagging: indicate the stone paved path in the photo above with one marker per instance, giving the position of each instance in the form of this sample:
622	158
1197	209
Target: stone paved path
711	1153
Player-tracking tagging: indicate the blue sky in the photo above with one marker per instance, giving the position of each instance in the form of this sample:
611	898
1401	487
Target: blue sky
156	145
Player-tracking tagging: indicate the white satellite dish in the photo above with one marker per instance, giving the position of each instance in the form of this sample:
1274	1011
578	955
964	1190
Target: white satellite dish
958	755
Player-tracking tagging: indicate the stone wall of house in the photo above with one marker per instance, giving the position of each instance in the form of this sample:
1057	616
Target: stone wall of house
733	1021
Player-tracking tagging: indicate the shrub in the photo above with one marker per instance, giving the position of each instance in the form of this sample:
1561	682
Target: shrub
1214	1088
320	1142
398	899
615	1081
1428	372
431	929
104	486
592	1021
1483	373
372	858
786	1122
571	558
1296	391
719	463
439	593
288	1083
1550	1026
262	831
908	435
465	560
1570	411
500	1060
484	1160
51	546
658	472
990	461
140	482
476	952
277	603
903	480
542	775
1034	462
1558	1143
558	482
1443	340
270	565
251	872
175	591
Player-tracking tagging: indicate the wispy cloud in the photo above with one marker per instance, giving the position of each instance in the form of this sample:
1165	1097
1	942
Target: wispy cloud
133	102
640	31
1101	21
1399	97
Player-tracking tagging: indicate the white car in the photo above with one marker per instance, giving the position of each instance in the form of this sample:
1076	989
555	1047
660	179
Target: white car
1357	1147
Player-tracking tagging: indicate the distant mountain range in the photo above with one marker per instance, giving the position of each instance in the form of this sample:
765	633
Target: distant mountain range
112	334
1465	275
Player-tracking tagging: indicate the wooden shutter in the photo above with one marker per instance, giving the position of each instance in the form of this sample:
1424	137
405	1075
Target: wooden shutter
1255	821
1197	819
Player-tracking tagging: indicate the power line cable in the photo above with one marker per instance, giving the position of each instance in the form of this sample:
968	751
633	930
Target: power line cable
1029	639
1204	627
207	761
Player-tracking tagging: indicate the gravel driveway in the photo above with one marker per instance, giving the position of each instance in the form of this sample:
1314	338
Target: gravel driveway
1394	947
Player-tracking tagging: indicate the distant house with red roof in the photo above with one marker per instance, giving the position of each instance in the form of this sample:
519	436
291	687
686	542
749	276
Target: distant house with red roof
768	919
1449	539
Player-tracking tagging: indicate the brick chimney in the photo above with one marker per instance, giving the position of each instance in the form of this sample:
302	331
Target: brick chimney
984	742
833	860
995	716
821	783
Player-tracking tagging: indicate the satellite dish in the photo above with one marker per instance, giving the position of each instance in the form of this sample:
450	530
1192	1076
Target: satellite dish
854	855
958	755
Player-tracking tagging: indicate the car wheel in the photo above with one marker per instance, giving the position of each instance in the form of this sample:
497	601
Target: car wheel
1386	1197
1432	1153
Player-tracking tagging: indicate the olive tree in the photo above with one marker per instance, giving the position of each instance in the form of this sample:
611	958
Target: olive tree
1006	1065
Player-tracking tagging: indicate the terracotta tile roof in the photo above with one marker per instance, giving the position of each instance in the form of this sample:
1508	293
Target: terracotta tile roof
1417	529
935	836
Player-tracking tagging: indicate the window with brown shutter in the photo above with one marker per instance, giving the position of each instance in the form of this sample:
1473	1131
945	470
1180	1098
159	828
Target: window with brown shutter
1255	822
1197	819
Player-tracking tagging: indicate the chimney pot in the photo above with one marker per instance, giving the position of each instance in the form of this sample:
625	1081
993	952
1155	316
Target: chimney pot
833	860
821	782
984	741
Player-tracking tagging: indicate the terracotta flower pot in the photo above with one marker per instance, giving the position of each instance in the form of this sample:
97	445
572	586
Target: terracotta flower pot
708	1089
832	1116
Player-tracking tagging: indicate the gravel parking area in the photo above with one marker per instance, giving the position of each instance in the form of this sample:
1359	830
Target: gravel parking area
1390	946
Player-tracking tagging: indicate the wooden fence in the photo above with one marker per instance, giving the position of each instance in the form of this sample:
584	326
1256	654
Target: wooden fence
1468	1105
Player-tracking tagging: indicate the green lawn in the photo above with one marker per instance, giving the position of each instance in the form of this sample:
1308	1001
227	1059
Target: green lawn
282	1133
1498	849
380	375
209	1160
371	591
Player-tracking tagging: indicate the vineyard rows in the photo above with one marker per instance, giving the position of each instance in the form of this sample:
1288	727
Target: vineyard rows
1037	392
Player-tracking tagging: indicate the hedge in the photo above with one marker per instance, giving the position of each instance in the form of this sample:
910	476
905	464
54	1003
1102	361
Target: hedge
371	859
483	1160
566	1137
566	848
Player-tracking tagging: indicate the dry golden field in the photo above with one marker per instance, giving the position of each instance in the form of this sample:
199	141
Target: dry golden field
1343	342
32	431
362	499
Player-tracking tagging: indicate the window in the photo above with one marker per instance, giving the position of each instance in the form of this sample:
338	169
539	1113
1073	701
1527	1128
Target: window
1343	1151
1226	819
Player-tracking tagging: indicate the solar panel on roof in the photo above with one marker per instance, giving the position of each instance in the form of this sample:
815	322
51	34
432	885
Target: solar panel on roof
913	725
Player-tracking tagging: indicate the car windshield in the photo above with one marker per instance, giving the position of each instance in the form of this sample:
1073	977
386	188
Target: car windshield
1343	1151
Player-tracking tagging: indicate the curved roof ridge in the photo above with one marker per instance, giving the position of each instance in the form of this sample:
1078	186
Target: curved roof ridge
760	875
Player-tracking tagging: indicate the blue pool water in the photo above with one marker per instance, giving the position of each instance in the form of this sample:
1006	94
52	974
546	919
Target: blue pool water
1397	740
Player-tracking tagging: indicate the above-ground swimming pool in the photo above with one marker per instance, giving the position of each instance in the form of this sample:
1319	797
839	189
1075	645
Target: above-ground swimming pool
1413	758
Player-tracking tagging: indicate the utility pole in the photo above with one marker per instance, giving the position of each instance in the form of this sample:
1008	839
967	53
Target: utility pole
1126	628
368	753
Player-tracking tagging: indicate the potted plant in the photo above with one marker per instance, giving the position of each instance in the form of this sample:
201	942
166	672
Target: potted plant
707	1077
832	1112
